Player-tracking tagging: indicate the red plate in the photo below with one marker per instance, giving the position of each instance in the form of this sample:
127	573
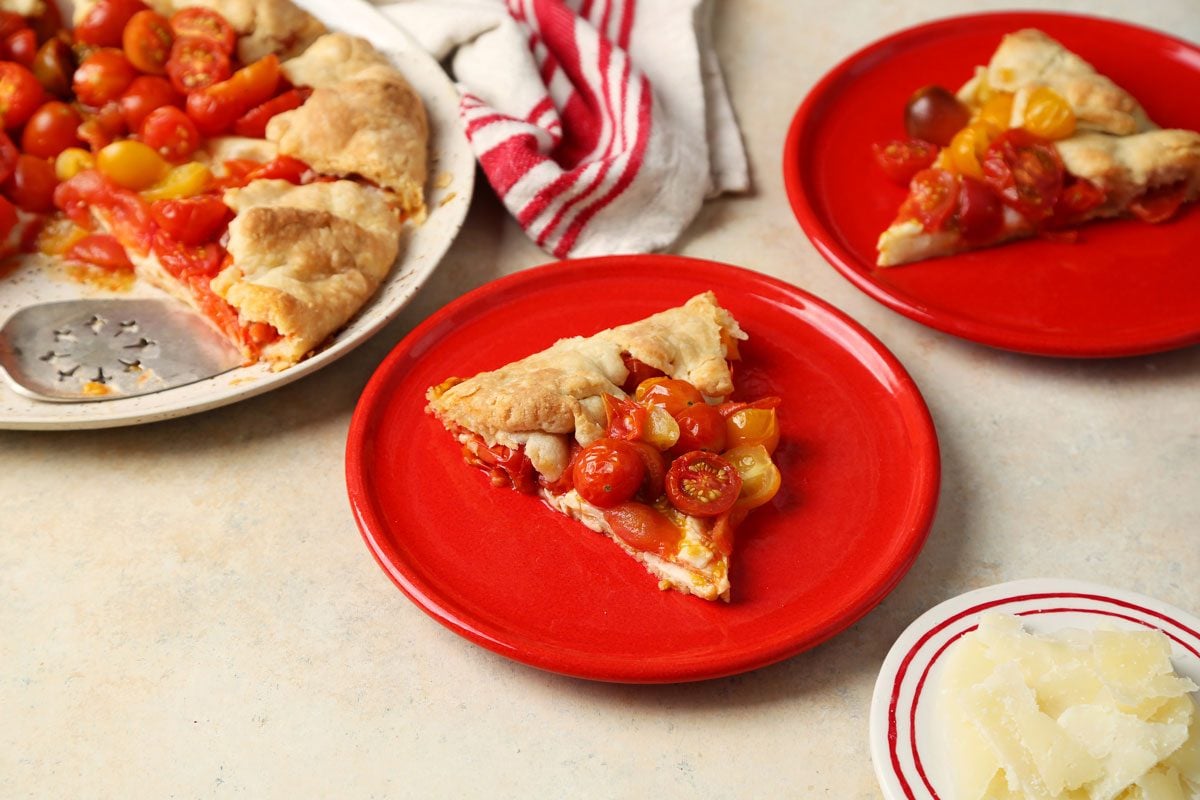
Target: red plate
859	460
1125	288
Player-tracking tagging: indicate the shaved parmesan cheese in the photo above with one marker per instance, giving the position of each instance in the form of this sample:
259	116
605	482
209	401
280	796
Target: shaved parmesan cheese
1071	716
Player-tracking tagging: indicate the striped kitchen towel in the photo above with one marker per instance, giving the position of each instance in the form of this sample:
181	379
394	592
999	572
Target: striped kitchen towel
601	124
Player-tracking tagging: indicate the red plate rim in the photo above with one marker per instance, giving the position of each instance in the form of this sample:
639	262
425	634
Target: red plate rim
847	263
602	666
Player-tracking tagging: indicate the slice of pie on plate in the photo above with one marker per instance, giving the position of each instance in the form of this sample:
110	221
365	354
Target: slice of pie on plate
630	432
1049	143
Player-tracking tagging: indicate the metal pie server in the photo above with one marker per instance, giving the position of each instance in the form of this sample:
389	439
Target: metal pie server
90	350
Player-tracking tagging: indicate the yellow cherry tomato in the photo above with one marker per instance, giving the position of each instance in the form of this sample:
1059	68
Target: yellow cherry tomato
997	111
186	180
72	161
131	164
967	149
662	430
752	426
1048	114
760	477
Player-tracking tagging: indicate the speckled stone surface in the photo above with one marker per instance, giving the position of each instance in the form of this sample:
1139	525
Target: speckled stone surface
187	610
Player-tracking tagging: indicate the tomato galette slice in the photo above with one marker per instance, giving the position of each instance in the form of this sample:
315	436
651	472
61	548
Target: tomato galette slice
1035	142
630	432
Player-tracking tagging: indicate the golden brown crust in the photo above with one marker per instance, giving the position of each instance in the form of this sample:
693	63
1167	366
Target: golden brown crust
555	391
1127	166
371	123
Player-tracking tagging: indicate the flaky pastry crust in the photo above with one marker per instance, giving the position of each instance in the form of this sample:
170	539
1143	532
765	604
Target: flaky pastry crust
1128	166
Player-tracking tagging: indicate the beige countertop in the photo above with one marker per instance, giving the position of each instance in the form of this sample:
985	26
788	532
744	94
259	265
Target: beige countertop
187	609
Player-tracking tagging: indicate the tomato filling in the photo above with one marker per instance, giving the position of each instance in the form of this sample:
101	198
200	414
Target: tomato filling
507	467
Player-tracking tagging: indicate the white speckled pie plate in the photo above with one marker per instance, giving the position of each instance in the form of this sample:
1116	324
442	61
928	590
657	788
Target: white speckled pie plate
905	743
452	176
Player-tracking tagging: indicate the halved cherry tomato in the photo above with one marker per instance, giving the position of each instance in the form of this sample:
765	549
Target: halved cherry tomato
32	184
703	484
608	472
655	463
204	24
644	529
185	180
197	63
192	221
147	42
282	168
205	261
20	94
997	111
146	93
625	418
638	371
8	218
1048	114
51	130
8	156
932	198
671	393
21	47
980	213
701	427
751	426
105	22
731	407
102	251
1027	172
760	477
254	122
214	109
102	77
53	66
171	133
901	159
1160	203
1078	198
966	150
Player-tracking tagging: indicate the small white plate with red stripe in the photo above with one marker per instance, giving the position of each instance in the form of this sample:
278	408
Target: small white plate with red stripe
905	743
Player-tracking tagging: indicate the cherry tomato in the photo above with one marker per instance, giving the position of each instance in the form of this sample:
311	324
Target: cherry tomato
105	22
53	66
932	198
751	426
656	471
124	211
1026	171
702	484
731	407
625	418
701	427
8	218
934	114
900	159
215	108
254	122
51	130
10	23
967	149
171	133
980	213
131	164
207	260
20	94
638	371
191	221
1078	198
32	184
147	42
1048	114
997	111
671	393
608	472
197	63
102	251
1160	203
644	529
186	180
205	24
760	477
21	47
282	168
145	94
103	77
8	157
102	126
72	161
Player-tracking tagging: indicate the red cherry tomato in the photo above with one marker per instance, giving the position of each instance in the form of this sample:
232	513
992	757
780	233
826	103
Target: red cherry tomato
206	261
197	63
204	24
51	130
169	131
102	251
703	484
146	93
192	221
701	427
103	77
608	472
901	159
672	394
147	42
8	157
1027	172
105	22
254	122
626	419
281	168
124	209
215	108
643	528
656	471
932	198
1077	199
21	47
1159	204
20	94
980	212
32	184
638	371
